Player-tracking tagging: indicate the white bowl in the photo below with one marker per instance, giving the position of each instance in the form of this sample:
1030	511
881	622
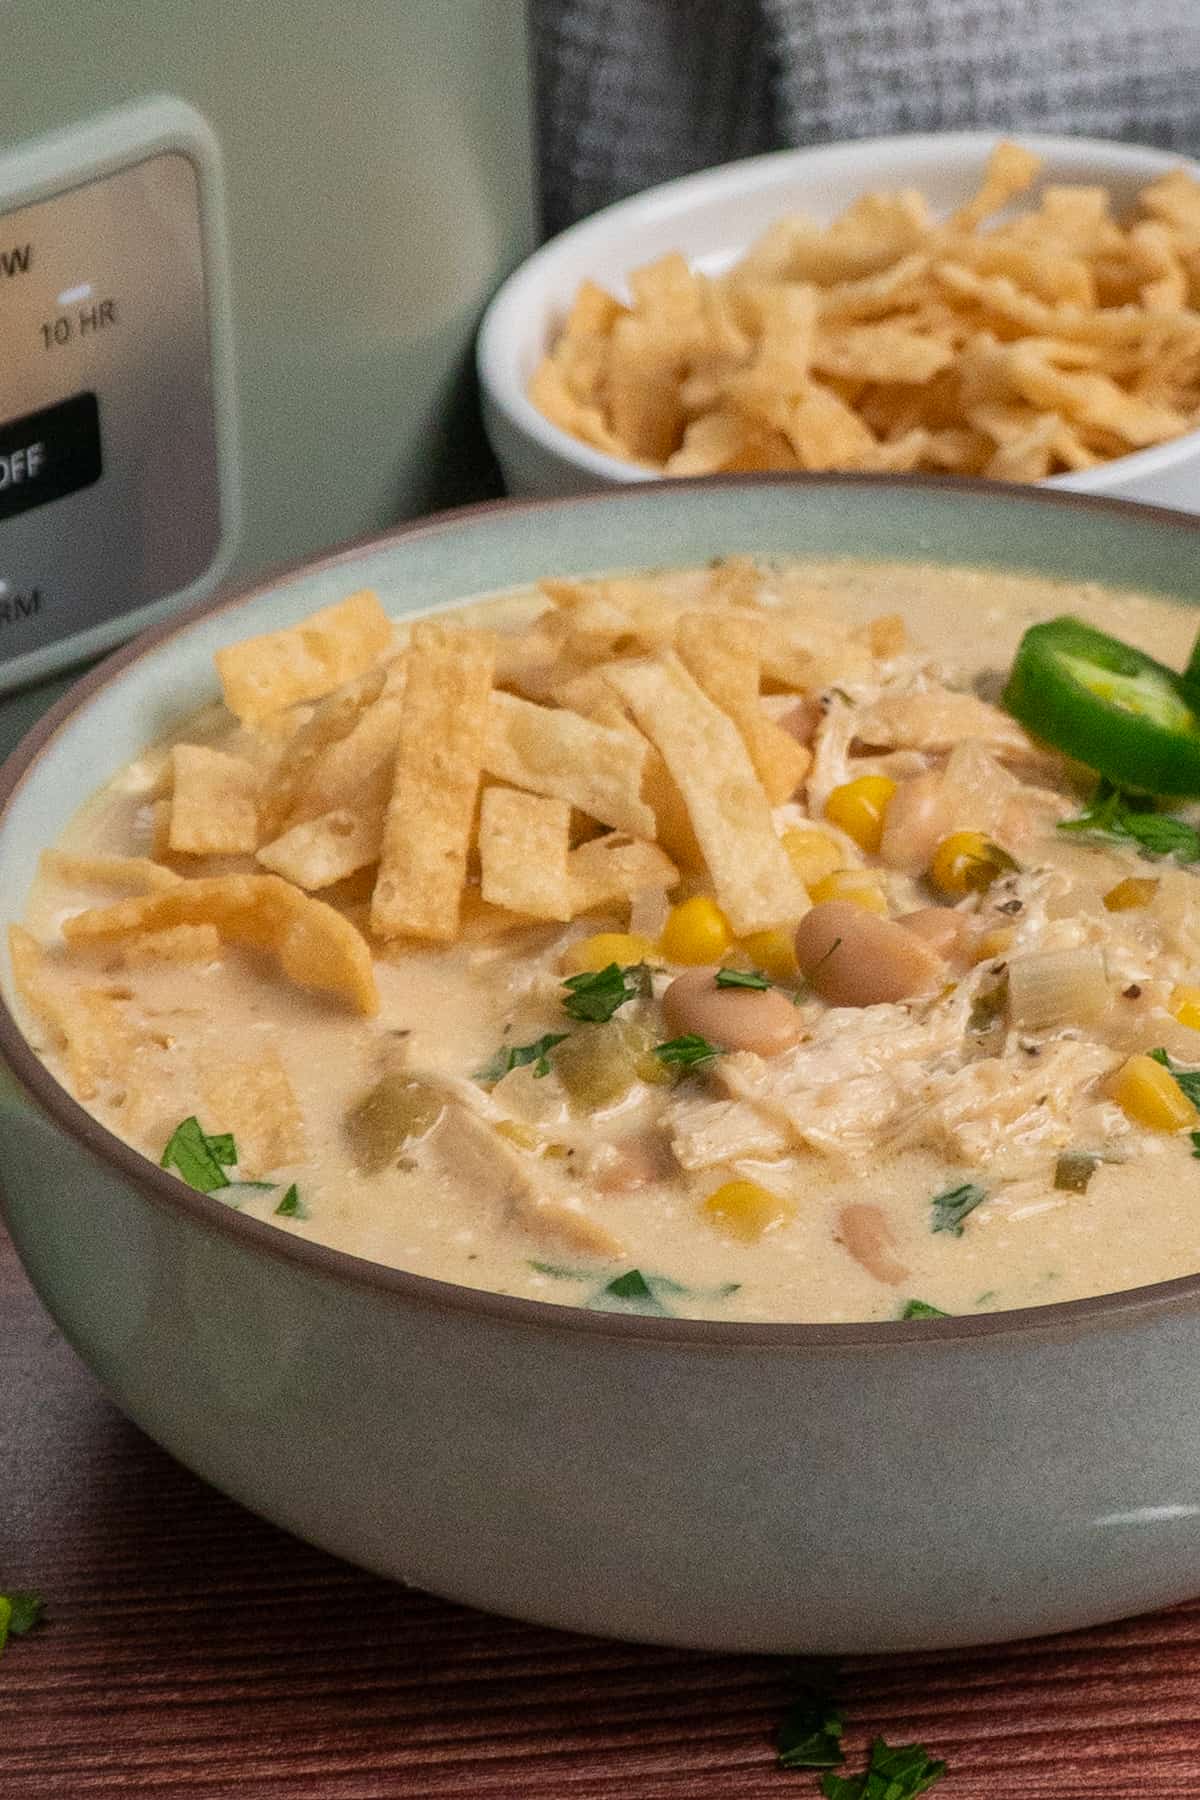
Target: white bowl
711	218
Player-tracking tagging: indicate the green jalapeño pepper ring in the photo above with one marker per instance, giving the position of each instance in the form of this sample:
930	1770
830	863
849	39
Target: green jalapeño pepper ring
1107	705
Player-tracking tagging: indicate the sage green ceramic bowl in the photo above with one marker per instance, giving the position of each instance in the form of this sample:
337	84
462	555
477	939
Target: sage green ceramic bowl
752	1487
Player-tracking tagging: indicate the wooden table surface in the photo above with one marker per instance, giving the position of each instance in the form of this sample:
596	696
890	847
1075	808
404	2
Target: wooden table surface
193	1652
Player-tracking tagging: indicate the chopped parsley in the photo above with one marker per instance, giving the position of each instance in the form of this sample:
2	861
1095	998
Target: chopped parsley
520	1056
292	1206
687	1052
951	1208
811	1733
597	997
200	1160
897	1772
1187	1079
1123	818
634	1292
19	1613
921	1309
1195	1137
742	978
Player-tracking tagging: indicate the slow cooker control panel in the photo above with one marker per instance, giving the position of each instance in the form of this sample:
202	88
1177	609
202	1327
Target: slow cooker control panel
110	451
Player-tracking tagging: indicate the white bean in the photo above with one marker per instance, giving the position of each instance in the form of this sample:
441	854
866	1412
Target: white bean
736	1018
856	958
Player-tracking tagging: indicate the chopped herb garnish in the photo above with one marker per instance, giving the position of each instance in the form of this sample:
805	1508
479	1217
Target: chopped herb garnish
520	1056
1187	1079
559	1271
292	1206
597	997
952	1207
742	978
200	1160
893	1773
19	1613
1116	817
1074	1169
687	1051
810	1736
921	1309
982	1299
1195	1137
630	1292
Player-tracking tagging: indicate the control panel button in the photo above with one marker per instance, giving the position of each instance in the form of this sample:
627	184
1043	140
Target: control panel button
49	453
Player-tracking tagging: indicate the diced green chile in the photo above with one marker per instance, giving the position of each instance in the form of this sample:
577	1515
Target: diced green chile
396	1110
1107	705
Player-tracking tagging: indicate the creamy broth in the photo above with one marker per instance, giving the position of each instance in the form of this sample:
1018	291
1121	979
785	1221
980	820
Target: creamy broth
515	1186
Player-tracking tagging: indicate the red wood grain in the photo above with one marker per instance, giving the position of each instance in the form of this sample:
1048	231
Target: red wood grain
194	1653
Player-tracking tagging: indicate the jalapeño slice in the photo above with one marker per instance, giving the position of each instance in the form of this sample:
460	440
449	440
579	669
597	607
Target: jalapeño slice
1107	705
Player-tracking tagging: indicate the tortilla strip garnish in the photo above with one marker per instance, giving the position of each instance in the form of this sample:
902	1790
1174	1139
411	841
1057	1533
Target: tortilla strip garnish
614	868
333	720
137	873
523	845
722	652
96	1037
214	803
755	883
316	947
253	1099
263	675
549	750
319	852
427	832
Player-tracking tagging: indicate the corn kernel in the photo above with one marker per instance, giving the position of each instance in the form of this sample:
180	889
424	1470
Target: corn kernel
1134	891
1185	1006
967	862
587	956
859	886
743	1209
812	854
774	952
1150	1095
696	931
860	807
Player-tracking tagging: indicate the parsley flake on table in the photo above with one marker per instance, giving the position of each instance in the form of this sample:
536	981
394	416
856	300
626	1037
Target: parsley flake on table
20	1611
893	1773
1114	817
198	1159
810	1736
596	997
687	1052
1188	1080
951	1207
520	1056
742	978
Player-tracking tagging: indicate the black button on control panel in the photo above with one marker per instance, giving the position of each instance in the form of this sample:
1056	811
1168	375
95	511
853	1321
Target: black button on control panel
49	454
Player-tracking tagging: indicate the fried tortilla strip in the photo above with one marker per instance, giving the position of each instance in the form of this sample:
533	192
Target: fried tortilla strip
87	1024
253	1099
1010	170
82	869
755	883
723	654
319	852
214	803
523	844
549	750
263	675
331	723
427	832
177	944
612	869
354	774
316	947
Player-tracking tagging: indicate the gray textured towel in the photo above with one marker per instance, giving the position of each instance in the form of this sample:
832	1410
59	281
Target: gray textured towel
635	91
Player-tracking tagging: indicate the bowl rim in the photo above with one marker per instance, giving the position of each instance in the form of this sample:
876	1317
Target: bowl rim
1058	1320
495	362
